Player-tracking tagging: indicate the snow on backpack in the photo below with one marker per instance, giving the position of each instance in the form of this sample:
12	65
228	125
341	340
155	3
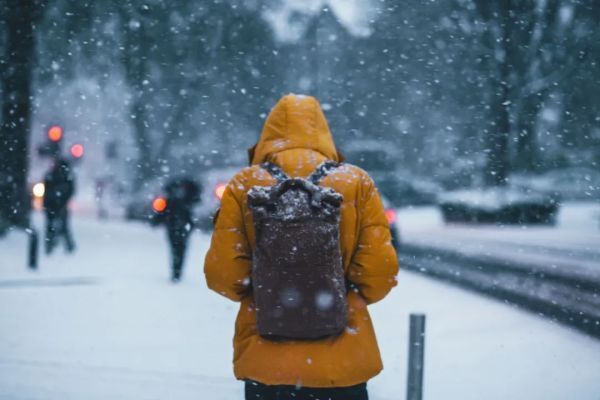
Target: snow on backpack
297	274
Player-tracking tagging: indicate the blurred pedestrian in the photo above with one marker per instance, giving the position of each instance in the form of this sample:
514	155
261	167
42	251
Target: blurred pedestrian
101	197
302	241
177	215
59	184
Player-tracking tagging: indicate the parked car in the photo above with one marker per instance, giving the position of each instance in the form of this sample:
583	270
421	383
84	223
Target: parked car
561	184
219	183
218	180
214	181
138	206
392	217
499	205
379	159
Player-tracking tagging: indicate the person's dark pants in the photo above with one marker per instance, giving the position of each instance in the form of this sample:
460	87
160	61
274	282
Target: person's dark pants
259	391
178	238
57	227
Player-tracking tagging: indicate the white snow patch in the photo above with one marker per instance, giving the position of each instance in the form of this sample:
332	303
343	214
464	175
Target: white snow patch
291	18
324	300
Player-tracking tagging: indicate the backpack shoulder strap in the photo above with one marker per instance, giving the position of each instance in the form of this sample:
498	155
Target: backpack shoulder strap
275	171
324	169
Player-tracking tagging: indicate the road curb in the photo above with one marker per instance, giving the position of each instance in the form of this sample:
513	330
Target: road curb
571	300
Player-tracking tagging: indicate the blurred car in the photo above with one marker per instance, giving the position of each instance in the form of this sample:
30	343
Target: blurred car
150	199
218	180
213	182
498	205
561	184
138	206
379	159
392	218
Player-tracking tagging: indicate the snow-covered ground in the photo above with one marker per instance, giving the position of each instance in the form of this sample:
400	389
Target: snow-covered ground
105	323
573	244
574	218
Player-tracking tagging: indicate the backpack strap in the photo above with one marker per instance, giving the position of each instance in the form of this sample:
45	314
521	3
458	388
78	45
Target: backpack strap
275	171
324	169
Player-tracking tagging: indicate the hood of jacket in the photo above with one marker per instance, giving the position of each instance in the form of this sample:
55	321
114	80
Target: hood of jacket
296	122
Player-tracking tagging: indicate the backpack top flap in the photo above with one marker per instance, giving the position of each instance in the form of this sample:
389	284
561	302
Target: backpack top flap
295	198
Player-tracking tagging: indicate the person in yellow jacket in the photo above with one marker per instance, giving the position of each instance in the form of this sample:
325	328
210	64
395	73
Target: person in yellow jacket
296	137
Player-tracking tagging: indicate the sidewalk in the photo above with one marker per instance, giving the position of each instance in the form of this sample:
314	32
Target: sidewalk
119	330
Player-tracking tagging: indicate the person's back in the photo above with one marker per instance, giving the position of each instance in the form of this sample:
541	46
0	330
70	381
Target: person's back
59	185
297	139
182	194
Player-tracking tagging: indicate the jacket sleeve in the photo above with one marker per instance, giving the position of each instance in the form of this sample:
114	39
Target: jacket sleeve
227	265
374	265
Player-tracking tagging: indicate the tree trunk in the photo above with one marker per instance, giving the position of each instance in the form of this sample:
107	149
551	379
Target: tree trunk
136	58
496	169
144	170
16	112
526	159
312	43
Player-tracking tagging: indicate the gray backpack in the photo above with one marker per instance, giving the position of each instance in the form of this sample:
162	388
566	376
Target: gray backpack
297	274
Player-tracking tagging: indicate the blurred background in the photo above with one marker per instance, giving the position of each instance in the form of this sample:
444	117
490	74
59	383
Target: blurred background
460	92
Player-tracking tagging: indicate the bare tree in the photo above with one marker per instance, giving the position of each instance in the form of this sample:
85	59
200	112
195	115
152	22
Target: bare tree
21	17
531	49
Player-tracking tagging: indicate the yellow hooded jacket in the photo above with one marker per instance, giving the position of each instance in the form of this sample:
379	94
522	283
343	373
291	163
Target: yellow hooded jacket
297	138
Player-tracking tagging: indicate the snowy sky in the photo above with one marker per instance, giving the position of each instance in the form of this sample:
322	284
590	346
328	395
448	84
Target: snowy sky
354	15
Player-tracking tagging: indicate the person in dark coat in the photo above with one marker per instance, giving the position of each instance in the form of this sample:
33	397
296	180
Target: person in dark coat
181	195
59	185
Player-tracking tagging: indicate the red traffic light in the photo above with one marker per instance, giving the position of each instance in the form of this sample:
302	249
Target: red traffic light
159	204
55	133
77	150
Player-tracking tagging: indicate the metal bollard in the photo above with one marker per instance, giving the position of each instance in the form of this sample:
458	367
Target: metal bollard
416	350
32	254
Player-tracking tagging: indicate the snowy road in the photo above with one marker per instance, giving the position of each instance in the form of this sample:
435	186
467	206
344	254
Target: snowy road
554	270
106	324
